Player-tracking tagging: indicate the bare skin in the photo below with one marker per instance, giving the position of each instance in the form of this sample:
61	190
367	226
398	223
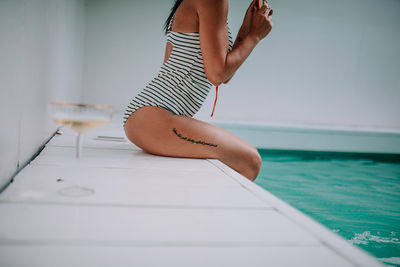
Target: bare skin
159	132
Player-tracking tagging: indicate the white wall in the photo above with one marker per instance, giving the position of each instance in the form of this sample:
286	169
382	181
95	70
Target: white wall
326	63
41	51
124	48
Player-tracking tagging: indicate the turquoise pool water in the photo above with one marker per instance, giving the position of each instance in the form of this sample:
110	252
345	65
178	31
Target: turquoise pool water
357	196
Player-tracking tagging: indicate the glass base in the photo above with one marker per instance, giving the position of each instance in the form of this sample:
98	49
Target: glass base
76	191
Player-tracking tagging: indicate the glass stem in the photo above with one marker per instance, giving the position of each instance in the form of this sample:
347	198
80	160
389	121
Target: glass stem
79	146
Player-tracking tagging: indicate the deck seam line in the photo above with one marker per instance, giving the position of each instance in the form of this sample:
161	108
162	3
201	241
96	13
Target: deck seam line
138	206
110	243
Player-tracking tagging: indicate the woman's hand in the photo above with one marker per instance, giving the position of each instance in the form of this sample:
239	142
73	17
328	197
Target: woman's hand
261	23
245	28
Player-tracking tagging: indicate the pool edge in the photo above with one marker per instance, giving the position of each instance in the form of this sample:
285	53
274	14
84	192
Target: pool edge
329	239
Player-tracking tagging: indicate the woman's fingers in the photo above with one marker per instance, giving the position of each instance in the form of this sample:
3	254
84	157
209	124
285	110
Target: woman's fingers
263	9
251	7
266	10
251	4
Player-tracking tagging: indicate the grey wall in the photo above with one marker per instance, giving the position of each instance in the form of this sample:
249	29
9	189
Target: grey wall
41	51
326	63
124	48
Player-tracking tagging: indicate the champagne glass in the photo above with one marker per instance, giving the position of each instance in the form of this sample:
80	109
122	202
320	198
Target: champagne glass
80	118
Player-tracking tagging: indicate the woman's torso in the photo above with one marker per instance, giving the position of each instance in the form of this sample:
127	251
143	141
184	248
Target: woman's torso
181	86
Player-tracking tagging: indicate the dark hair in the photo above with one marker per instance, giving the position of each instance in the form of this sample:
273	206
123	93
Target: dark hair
173	10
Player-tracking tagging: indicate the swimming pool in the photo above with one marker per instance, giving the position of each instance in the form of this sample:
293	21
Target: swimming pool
355	195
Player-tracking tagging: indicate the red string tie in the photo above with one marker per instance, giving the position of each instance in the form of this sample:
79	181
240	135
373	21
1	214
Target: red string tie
215	101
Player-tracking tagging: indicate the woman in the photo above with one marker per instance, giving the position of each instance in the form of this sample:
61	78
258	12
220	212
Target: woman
198	54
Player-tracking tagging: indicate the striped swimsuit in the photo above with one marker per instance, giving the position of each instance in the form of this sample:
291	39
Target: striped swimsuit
181	85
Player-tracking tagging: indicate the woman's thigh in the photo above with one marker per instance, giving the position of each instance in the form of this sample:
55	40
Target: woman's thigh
160	132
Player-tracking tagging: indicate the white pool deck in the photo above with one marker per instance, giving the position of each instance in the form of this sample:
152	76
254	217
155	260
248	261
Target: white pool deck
153	211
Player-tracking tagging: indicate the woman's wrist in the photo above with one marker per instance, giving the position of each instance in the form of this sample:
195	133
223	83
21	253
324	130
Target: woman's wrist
254	39
249	39
243	31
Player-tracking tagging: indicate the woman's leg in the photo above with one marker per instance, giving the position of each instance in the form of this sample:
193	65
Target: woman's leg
160	132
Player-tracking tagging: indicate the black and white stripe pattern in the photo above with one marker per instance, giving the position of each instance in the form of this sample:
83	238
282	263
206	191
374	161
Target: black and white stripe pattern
181	85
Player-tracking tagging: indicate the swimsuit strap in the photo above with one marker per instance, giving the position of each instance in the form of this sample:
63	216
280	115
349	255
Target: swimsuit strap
170	23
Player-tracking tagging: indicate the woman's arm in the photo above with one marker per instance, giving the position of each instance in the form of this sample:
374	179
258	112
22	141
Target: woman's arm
244	29
219	65
168	49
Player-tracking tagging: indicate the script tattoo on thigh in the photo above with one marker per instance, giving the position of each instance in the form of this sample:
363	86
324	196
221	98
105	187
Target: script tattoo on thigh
192	140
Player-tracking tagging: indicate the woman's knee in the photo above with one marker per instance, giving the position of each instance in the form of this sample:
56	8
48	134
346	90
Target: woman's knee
246	161
254	162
